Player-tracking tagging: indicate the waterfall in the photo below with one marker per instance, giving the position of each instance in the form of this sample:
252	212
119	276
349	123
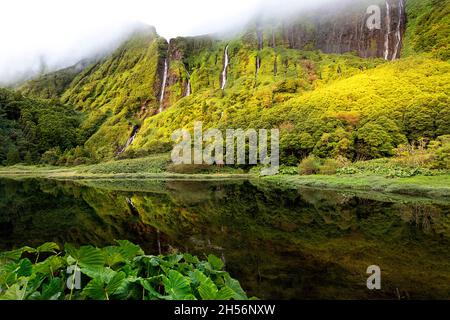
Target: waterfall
163	86
388	31
158	240
260	39
273	38
130	140
225	68
260	47
398	33
188	87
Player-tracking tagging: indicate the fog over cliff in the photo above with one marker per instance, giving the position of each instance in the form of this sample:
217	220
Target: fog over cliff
41	36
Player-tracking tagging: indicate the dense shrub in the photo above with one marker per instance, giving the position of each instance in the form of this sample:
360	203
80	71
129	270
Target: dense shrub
329	166
309	165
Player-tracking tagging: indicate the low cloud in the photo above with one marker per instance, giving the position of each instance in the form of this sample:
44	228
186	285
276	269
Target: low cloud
52	34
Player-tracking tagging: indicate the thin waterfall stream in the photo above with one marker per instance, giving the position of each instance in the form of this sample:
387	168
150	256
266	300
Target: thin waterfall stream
225	68
388	31
163	86
398	33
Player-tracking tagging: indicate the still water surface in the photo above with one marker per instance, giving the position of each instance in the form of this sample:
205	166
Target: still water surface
280	243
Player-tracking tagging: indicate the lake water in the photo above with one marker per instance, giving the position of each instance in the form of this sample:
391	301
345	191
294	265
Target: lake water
279	243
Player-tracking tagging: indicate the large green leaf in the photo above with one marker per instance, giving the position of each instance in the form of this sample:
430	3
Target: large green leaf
177	286
24	268
86	256
215	262
225	293
147	285
234	285
113	256
129	250
208	290
14	255
98	290
15	292
53	290
104	274
48	247
95	290
50	265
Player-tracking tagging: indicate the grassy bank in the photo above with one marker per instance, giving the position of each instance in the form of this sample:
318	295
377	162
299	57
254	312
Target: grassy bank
429	186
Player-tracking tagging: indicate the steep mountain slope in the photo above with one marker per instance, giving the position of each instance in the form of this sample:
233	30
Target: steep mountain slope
53	85
428	28
321	77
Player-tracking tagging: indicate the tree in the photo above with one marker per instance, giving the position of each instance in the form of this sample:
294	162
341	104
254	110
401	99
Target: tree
12	156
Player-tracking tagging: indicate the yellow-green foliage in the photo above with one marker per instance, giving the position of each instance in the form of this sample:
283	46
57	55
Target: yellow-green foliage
328	105
114	91
363	116
428	28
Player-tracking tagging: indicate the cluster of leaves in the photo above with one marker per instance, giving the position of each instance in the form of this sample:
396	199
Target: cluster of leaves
114	272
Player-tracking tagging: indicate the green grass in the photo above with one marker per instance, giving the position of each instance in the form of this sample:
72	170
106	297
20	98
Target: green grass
432	186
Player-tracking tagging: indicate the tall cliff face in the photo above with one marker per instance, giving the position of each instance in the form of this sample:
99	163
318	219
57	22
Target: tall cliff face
369	28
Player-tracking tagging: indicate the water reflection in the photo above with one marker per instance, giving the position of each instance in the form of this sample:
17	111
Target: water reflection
281	244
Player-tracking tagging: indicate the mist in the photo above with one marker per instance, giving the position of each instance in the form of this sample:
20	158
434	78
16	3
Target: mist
46	35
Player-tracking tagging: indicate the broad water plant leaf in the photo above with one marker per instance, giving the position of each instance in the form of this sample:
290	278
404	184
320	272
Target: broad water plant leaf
234	285
53	290
50	265
48	247
225	293
104	274
98	290
15	292
215	262
177	286
14	255
25	268
129	250
86	256
122	253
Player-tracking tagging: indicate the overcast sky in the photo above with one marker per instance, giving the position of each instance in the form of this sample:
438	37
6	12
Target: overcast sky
62	32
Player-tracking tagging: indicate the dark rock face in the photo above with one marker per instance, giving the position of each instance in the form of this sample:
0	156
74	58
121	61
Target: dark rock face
368	28
347	28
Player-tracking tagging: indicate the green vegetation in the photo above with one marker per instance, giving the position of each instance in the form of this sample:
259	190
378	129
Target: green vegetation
52	85
362	117
28	128
111	273
428	28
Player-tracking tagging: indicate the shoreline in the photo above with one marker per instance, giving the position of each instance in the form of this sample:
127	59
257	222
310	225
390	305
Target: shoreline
422	186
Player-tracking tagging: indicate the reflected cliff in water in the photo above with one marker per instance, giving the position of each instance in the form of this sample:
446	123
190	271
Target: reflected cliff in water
280	243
